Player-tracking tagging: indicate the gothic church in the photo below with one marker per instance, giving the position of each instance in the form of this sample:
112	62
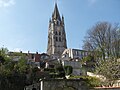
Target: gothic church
56	35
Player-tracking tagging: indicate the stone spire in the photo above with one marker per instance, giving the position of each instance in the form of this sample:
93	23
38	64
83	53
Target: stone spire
56	35
56	14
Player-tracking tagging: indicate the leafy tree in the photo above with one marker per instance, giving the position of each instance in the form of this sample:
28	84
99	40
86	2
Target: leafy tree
110	69
22	65
12	74
3	55
89	62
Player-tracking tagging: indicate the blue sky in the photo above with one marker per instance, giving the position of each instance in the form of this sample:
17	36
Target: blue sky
24	23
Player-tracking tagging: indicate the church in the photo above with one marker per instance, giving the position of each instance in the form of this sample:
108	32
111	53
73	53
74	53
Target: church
56	35
57	42
57	51
57	45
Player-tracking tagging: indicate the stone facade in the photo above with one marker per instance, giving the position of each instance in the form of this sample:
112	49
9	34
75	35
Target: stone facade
76	65
74	54
67	84
56	35
59	84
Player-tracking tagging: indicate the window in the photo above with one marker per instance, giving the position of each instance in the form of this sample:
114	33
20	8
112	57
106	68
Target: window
60	39
32	56
59	33
56	33
56	38
58	22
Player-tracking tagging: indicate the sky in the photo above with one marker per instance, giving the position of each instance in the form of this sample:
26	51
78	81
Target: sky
24	23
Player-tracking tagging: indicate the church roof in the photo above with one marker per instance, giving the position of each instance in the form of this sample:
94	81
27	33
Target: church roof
56	14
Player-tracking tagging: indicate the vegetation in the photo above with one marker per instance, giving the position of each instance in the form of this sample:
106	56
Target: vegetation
12	74
103	40
110	69
90	81
68	70
89	62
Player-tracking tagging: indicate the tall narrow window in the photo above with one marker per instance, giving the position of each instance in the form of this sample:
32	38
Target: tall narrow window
59	33
60	39
56	33
56	38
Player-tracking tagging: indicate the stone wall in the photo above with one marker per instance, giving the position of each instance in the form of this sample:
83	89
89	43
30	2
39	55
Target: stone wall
59	84
63	84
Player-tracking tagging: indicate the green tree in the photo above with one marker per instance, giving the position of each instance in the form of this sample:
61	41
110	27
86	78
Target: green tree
22	65
89	62
110	69
4	55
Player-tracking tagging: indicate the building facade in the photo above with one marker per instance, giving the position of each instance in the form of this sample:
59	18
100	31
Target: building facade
56	35
74	54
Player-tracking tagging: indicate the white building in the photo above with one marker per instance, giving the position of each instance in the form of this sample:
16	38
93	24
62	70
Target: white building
74	54
73	57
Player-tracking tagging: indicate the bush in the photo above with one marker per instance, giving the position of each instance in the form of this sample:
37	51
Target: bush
68	70
60	71
51	70
91	81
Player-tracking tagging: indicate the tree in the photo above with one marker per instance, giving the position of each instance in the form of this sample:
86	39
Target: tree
3	55
103	38
89	62
110	69
22	65
12	74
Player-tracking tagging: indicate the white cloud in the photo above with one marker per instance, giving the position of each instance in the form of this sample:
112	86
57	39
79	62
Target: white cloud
6	3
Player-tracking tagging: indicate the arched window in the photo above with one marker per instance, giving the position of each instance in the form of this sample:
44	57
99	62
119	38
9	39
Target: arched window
58	22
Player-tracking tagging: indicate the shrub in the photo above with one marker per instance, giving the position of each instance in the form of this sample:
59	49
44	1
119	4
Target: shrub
60	71
68	70
91	81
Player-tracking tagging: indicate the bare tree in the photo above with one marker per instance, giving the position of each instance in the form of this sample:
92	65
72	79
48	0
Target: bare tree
103	38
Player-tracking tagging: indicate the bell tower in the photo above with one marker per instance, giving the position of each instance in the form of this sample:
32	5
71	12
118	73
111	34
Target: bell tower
56	35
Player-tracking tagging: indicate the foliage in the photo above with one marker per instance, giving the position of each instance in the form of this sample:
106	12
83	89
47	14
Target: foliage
68	70
51	70
12	74
110	69
22	65
89	62
104	38
60	71
90	81
18	54
3	55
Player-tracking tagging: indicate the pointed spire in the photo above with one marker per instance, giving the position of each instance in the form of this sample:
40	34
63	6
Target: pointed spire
62	20
56	14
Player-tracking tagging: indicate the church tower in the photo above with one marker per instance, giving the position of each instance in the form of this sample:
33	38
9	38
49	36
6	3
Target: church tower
56	35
